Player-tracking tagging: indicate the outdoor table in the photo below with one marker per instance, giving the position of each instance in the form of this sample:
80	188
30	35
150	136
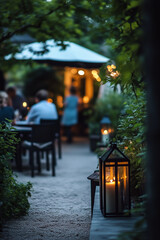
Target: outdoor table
23	123
94	177
23	133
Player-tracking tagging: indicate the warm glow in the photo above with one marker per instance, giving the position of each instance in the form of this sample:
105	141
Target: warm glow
111	71
73	70
50	100
24	104
105	132
95	75
113	66
110	130
81	72
85	99
111	181
60	101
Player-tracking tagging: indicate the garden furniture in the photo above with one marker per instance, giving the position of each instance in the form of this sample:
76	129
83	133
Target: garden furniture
42	139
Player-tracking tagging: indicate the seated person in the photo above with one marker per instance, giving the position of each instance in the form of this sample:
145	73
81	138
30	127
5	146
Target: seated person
6	112
42	108
16	99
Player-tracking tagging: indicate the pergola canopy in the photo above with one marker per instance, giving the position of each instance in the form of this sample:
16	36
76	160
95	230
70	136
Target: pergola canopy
74	55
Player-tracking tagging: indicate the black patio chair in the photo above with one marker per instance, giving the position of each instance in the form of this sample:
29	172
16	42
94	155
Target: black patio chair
56	123
42	139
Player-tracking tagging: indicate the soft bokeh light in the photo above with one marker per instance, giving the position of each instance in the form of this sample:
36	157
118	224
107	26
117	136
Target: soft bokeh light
24	104
85	99
81	72
60	101
95	75
50	100
111	71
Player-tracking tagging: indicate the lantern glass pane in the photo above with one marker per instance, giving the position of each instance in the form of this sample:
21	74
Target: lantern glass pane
115	154
123	188
110	189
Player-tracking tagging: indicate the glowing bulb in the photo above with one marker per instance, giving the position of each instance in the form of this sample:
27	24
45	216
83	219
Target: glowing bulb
81	72
24	104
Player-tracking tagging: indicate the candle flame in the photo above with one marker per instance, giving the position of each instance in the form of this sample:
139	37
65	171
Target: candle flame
105	132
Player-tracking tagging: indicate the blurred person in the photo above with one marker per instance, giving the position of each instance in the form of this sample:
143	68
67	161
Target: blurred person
6	112
70	115
16	100
42	108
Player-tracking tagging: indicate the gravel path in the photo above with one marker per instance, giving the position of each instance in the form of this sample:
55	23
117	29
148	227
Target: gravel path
60	206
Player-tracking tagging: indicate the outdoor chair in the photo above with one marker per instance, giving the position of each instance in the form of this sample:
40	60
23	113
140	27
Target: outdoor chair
42	139
56	123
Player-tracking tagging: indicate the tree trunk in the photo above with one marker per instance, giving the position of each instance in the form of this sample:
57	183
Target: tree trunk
152	66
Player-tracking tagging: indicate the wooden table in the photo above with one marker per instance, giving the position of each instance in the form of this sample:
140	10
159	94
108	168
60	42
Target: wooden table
94	177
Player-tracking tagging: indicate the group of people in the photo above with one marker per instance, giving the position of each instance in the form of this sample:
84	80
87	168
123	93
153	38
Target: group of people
10	104
41	109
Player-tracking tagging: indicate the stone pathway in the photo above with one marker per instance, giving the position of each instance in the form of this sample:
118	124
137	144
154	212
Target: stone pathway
60	205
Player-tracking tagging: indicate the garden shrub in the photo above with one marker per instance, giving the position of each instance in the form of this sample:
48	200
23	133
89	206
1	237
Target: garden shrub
13	195
111	104
131	139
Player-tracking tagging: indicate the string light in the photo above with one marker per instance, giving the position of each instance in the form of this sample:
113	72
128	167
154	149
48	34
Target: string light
111	72
95	75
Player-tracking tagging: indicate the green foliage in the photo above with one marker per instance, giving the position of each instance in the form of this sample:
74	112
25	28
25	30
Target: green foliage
41	19
13	195
111	104
8	141
42	77
57	19
131	138
124	35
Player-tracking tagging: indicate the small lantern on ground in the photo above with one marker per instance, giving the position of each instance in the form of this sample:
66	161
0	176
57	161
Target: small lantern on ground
114	181
105	125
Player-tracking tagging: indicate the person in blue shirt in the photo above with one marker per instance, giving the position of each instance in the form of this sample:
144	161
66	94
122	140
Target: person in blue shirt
42	109
70	115
6	112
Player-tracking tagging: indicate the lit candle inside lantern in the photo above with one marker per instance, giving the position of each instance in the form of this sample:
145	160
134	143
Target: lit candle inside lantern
105	136
110	196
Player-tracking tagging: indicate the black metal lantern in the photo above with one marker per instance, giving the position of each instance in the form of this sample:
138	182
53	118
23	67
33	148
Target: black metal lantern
105	125
114	181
